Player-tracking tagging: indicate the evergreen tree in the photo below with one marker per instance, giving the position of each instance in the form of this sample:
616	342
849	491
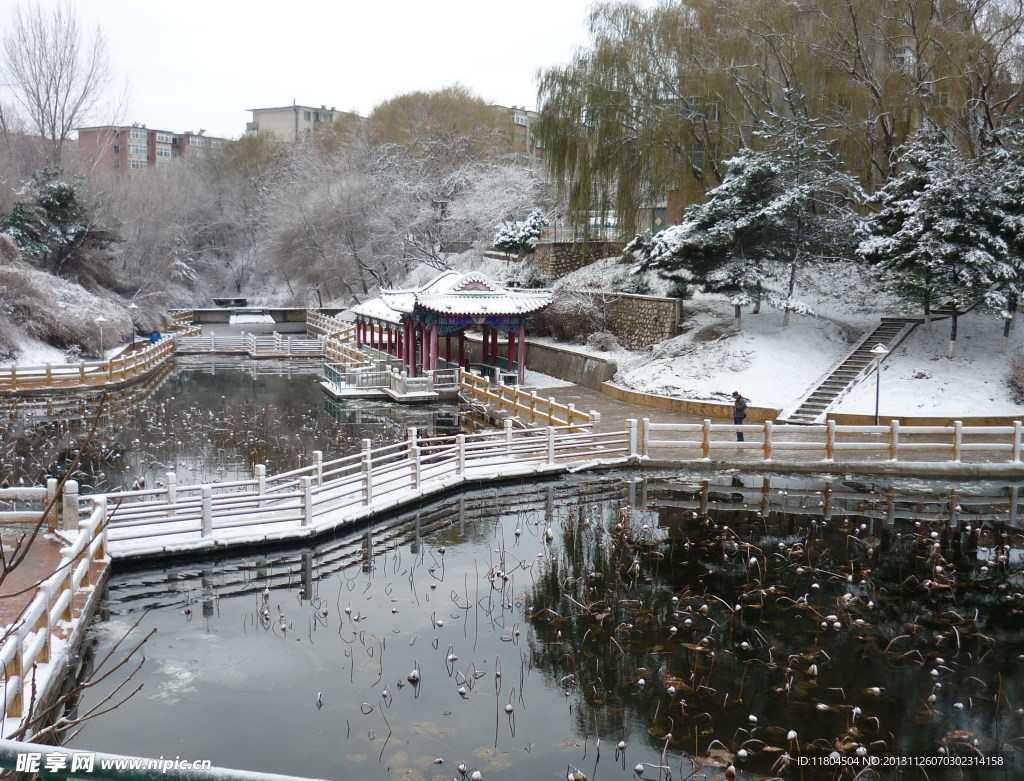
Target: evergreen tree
520	238
939	234
52	226
775	210
1004	167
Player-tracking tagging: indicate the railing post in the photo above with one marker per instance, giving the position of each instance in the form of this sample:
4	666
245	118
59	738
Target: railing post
307	499
595	421
16	705
769	429
99	504
631	436
705	445
260	473
894	439
367	467
207	511
69	507
533	406
49	375
958	438
81	372
645	437
51	503
460	445
551	444
830	440
318	464
416	464
1015	453
44	624
171	481
508	436
551	410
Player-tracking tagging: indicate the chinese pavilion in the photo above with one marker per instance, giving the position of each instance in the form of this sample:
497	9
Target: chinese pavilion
412	324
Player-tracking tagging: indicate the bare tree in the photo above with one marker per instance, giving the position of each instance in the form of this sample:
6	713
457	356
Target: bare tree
54	71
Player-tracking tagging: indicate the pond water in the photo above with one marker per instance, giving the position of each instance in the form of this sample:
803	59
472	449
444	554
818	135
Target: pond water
208	419
695	621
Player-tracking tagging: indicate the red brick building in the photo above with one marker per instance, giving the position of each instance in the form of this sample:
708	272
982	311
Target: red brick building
129	148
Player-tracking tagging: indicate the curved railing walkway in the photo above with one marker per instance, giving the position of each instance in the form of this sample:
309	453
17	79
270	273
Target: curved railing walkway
330	494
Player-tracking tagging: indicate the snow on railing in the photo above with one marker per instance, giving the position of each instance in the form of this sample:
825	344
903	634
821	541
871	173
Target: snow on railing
347	487
44	496
122	368
30	639
929	443
526	404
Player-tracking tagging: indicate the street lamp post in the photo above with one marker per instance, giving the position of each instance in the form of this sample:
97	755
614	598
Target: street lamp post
132	309
879	351
100	321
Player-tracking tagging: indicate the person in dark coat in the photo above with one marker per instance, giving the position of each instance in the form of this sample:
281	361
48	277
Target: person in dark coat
739	412
154	337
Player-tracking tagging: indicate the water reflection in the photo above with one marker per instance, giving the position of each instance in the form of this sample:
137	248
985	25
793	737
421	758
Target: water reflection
693	620
208	420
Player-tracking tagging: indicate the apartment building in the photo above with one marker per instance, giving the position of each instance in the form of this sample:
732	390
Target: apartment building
290	123
521	137
128	148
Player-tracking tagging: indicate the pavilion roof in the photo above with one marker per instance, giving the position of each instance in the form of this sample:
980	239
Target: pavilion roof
467	294
376	309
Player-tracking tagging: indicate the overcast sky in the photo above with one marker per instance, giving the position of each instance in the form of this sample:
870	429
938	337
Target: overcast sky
201	64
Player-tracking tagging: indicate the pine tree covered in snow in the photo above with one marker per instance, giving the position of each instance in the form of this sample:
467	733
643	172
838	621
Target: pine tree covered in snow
1004	164
520	237
51	226
774	212
939	235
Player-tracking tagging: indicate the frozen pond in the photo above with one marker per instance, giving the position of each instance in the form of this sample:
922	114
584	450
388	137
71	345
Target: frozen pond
696	624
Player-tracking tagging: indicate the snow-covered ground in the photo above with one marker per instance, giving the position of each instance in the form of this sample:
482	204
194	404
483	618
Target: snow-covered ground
918	378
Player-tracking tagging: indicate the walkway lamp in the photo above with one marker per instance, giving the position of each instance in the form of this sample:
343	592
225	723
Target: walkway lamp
879	351
100	321
132	309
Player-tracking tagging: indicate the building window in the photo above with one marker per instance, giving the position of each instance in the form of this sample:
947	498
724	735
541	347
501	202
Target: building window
138	135
195	141
133	149
161	152
163	138
117	149
519	118
307	115
137	165
217	144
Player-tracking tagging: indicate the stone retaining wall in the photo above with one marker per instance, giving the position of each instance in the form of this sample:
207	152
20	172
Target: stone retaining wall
704	409
586	370
640	321
556	259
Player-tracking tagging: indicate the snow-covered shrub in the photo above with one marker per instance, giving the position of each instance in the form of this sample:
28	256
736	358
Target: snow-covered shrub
572	317
520	237
1015	377
603	340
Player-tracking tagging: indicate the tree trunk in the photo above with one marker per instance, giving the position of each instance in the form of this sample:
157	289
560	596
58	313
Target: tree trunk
789	292
737	309
928	314
757	301
952	333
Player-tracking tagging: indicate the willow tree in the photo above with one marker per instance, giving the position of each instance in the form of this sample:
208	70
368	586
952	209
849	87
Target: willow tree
663	94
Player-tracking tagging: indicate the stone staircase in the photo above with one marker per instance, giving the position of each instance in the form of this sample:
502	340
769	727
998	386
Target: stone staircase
857	364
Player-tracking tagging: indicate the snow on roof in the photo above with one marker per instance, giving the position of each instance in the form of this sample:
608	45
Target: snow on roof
466	294
376	309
